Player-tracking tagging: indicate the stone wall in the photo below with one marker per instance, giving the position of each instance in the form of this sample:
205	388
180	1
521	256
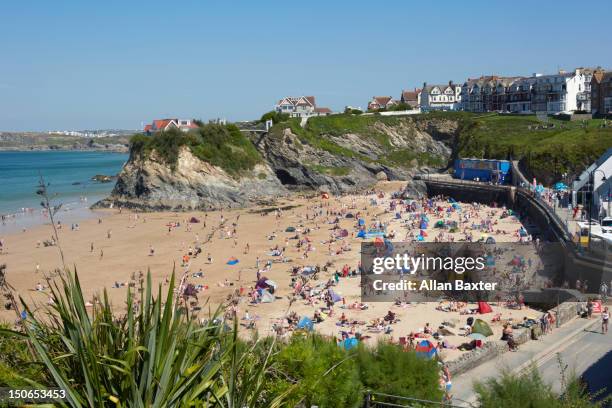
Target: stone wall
496	347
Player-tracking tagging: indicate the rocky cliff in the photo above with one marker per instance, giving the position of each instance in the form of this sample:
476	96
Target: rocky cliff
192	185
336	154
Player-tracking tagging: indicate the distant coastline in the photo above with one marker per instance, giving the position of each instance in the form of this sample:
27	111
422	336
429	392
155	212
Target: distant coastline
84	148
40	141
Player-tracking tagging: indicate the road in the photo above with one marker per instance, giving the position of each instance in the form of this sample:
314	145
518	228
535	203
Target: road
588	355
580	345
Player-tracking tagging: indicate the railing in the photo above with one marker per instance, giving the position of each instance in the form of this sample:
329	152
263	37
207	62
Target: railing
375	400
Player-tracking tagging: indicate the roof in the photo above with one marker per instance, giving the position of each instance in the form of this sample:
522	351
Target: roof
323	110
298	101
428	88
160	124
411	95
381	100
147	128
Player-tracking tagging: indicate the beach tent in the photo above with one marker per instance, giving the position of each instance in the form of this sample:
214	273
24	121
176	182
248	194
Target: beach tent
349	215
267	297
423	225
490	240
290	229
334	296
262	283
305	323
349	343
233	261
325	196
477	336
361	222
271	283
420	238
398	216
361	234
425	349
439	224
480	326
484	307
194	220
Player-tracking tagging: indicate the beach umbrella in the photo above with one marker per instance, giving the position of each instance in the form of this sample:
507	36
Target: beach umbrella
349	215
560	186
477	336
425	349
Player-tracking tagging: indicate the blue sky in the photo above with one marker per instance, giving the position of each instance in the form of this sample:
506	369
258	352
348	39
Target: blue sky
115	64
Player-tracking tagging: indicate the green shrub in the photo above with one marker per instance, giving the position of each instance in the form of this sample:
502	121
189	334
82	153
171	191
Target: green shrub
220	145
17	366
390	370
277	117
529	390
326	375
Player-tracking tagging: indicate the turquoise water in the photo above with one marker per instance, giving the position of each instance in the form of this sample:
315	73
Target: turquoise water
68	174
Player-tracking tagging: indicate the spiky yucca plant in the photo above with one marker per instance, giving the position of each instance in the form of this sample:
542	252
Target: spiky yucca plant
153	355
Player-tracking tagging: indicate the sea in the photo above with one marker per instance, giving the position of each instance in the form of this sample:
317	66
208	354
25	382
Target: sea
68	175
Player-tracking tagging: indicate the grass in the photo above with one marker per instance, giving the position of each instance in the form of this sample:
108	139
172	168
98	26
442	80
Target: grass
223	146
569	147
320	131
330	171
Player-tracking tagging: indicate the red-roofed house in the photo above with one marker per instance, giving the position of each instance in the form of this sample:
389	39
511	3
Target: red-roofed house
160	125
300	106
381	102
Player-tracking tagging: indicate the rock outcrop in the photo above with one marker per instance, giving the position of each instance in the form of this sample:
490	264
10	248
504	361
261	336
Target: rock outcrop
337	162
299	165
151	184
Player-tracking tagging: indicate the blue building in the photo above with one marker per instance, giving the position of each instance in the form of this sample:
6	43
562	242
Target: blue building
496	171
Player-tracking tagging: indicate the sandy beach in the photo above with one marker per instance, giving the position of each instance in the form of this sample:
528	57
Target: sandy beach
118	246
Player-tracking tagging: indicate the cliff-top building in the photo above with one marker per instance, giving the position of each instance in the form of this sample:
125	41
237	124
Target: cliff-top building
300	106
381	102
601	93
440	97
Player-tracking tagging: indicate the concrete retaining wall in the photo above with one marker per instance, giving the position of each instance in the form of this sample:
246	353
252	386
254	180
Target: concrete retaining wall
496	347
